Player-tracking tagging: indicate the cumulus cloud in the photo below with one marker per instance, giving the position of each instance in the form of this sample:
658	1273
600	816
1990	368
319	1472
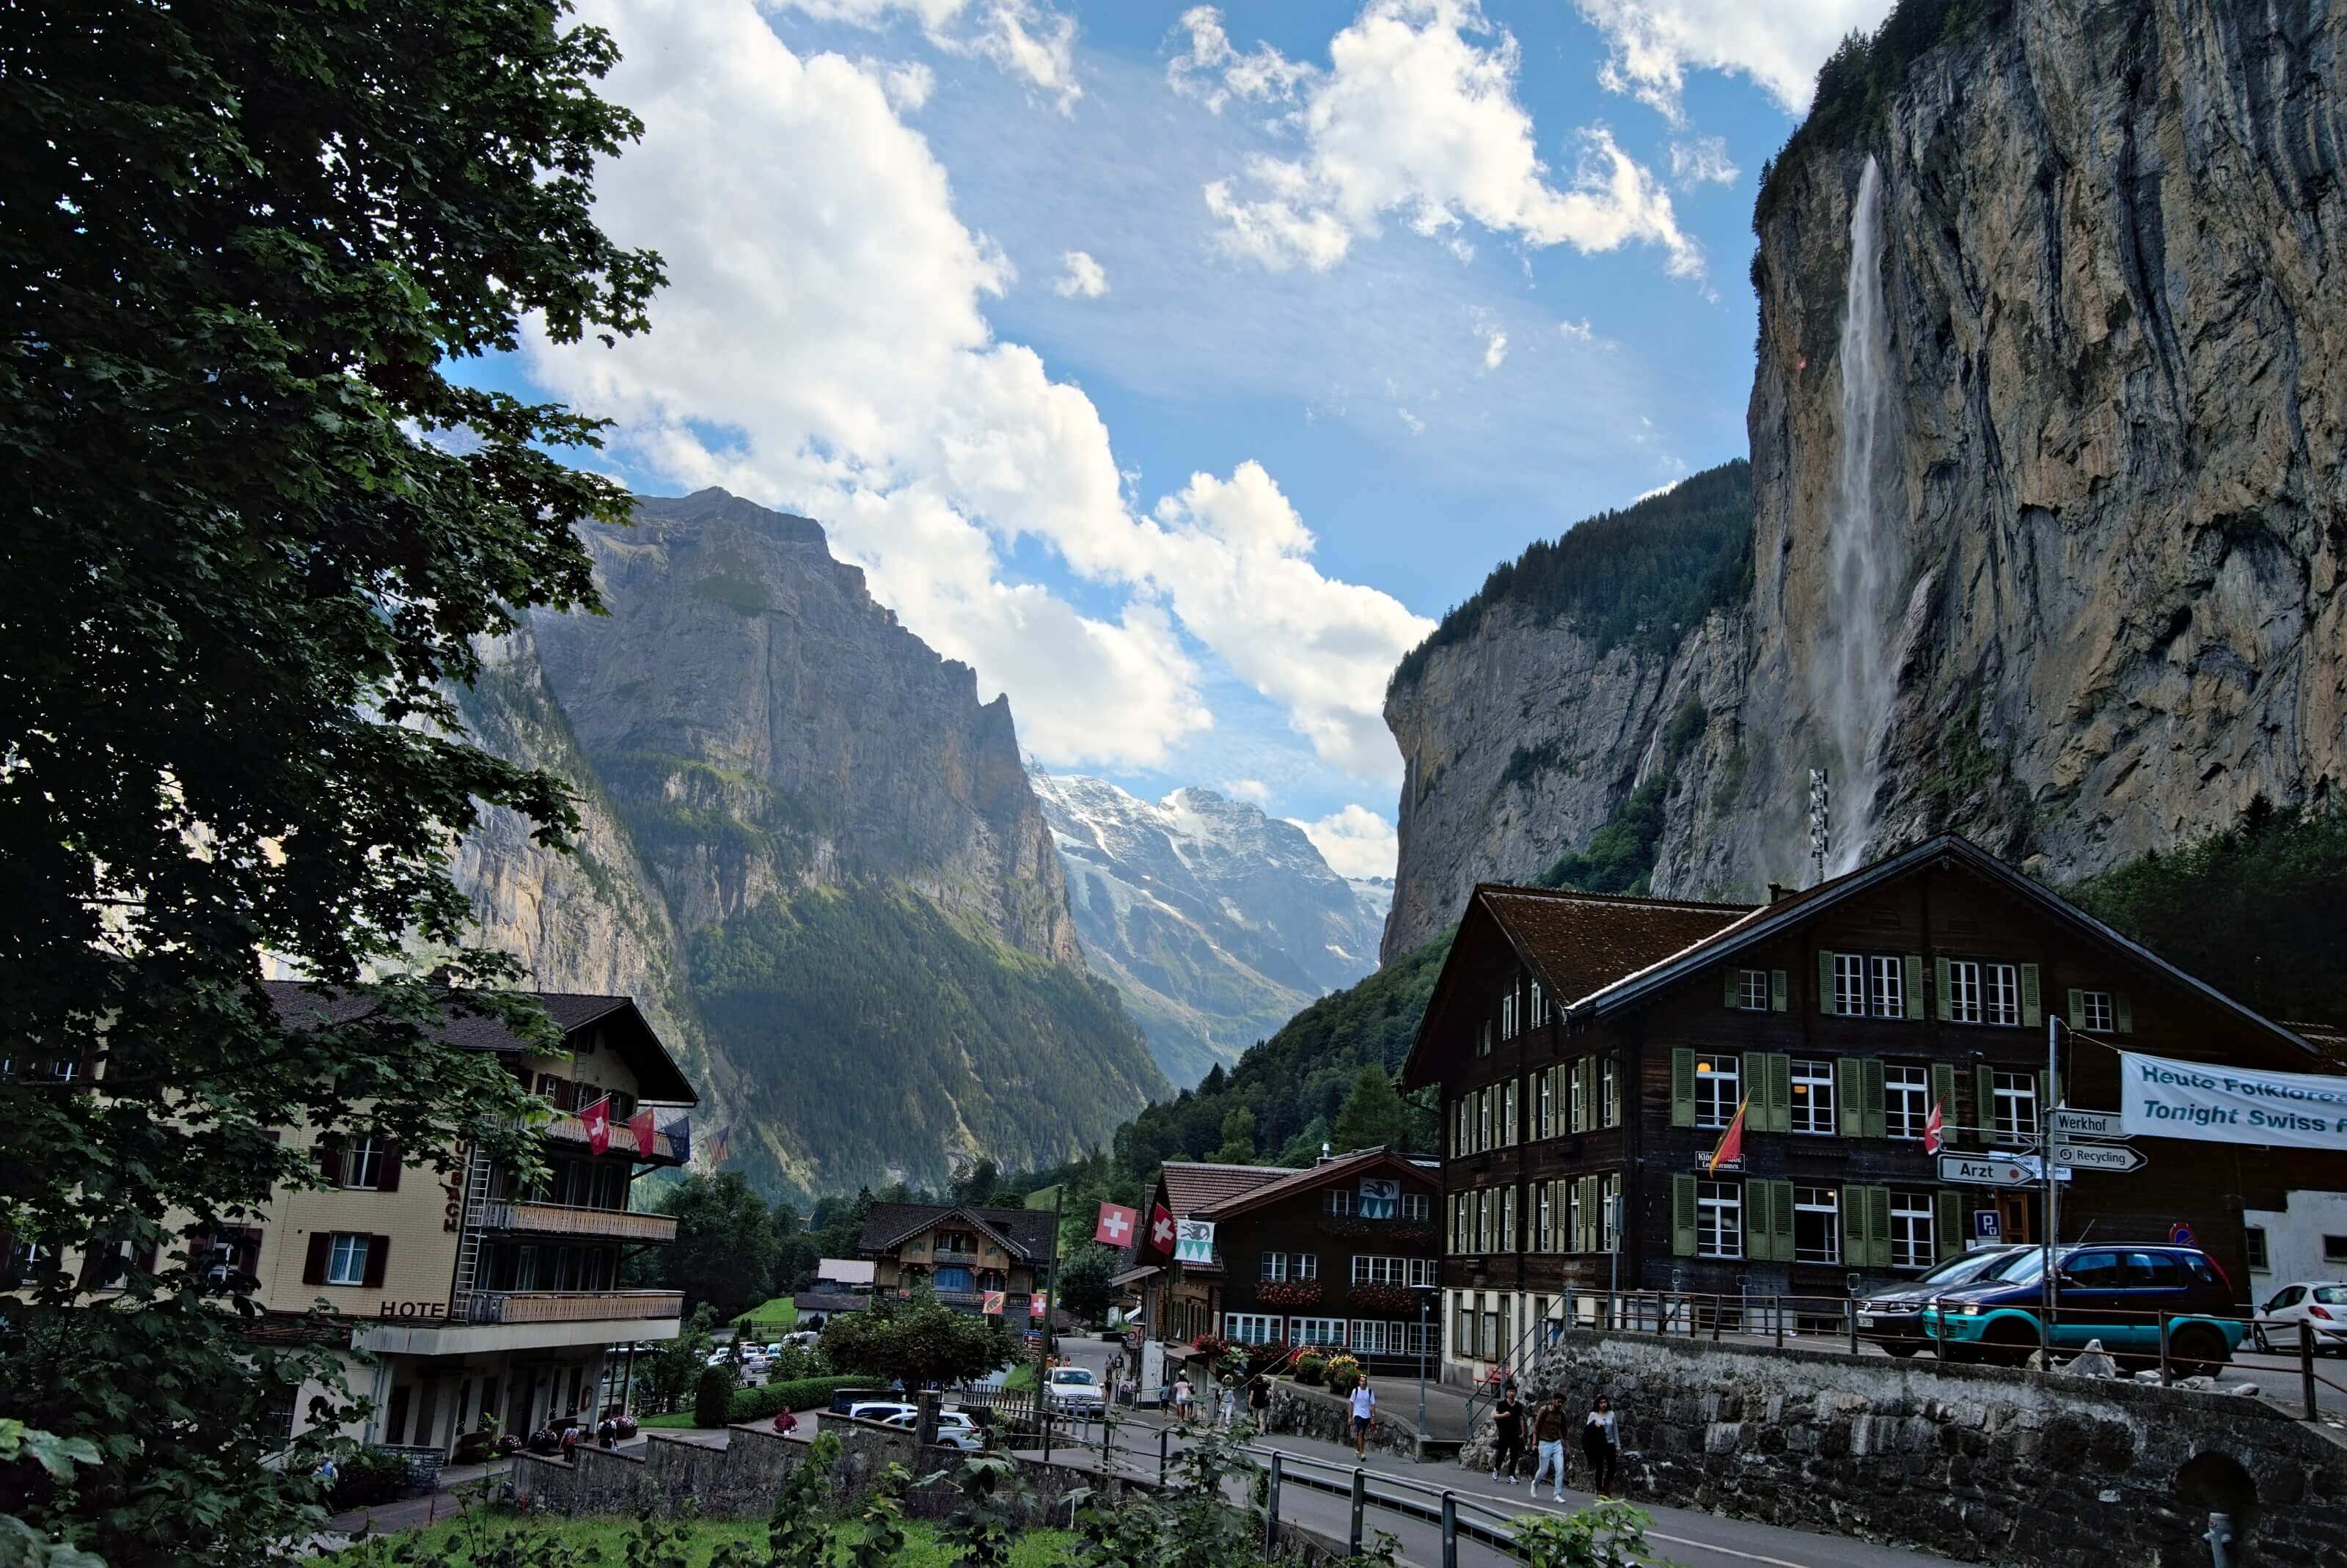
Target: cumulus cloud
1080	277
1495	347
823	345
1779	44
1703	160
1355	841
1253	790
1036	44
1416	116
1576	332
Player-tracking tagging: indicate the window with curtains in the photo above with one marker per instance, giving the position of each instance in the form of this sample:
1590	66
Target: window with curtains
347	1260
363	1164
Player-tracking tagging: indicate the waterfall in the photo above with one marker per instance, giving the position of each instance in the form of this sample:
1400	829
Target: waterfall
1856	665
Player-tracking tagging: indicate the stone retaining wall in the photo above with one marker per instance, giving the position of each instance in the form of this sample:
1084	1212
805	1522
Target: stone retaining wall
1316	1413
1978	1462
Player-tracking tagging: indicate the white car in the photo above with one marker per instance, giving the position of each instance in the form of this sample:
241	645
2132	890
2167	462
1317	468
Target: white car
1074	1389
954	1429
2295	1309
880	1410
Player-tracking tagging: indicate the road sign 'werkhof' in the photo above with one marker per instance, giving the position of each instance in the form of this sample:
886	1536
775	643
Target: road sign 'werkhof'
2069	1123
1984	1171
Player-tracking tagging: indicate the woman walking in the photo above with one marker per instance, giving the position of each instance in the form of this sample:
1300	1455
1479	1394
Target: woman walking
1599	1443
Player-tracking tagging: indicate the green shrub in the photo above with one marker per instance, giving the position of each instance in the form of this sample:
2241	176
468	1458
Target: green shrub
1344	1371
369	1476
799	1394
1311	1368
713	1396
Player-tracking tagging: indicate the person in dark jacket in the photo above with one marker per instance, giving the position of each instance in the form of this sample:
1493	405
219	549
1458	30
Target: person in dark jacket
1508	1430
1601	1445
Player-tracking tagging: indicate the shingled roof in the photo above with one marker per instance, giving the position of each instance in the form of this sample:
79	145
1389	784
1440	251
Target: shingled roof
1194	1184
1578	943
1343	1168
1026	1233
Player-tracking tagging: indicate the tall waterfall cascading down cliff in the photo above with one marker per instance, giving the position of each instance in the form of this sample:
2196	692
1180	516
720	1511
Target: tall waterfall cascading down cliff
1855	670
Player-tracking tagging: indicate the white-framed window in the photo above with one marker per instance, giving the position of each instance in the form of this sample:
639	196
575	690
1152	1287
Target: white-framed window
363	1163
1963	990
1850	984
1718	1219
1719	1089
1610	1091
1508	1115
1752	989
1887	985
2100	1013
1906	1100
1537	1014
1458	1128
1576	1097
1813	1096
1370	1269
1816	1225
1609	1210
1336	1201
2016	1104
2002	983
1286	1265
1573	1219
1252	1327
1275	1266
1369	1335
1458	1224
1483	1039
347	1260
1913	1244
1544	1104
1544	1218
1482	1120
1417	1206
1327	1331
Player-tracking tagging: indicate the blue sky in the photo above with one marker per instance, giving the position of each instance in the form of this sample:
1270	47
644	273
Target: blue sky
1176	365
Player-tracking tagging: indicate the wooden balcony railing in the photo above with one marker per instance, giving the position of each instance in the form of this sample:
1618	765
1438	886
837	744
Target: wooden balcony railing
566	1219
570	1129
568	1306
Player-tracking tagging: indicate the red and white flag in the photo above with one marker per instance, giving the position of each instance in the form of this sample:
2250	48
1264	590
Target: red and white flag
641	1124
1161	1230
1036	1306
1114	1227
1730	1150
1934	1131
596	1120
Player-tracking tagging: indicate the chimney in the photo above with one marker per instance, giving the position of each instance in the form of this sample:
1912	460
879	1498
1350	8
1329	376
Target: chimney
1779	892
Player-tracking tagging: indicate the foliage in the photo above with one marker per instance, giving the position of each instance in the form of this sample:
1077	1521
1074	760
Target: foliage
1312	1368
1621	855
365	1477
920	1342
25	1452
1343	1372
1384	1300
1084	1289
771	1400
796	1533
726	1249
2255	910
498	1539
1239	1138
1641	576
713	1396
1374	1115
253	532
992	1492
1288	1293
1603	1535
883	1541
663	1378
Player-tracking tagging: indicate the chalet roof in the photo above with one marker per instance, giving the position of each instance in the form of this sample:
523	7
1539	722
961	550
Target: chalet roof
1344	1168
659	1080
1025	1234
1192	1185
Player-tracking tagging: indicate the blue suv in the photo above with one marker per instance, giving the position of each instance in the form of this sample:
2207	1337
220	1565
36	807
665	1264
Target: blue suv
2118	1294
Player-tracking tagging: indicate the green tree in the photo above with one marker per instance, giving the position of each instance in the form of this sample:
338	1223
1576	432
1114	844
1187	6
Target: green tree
1084	1288
797	1250
919	1342
726	1249
1239	1138
253	532
665	1378
1374	1115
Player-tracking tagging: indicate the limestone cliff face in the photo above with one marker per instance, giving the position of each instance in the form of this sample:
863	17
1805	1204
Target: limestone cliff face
2114	482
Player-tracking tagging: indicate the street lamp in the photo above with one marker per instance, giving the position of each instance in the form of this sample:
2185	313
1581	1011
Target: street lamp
1425	1302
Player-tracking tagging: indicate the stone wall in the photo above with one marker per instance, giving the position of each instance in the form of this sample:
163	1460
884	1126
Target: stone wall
1978	1462
1316	1413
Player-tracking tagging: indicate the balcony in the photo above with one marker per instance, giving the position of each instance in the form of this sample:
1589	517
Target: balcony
946	1257
570	1129
565	1219
568	1306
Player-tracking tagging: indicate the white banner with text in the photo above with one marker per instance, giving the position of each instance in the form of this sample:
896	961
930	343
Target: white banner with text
2163	1098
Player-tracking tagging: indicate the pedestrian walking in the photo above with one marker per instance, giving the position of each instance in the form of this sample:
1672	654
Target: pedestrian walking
1229	1414
1365	1410
1600	1445
1182	1399
1258	1398
1508	1433
1549	1422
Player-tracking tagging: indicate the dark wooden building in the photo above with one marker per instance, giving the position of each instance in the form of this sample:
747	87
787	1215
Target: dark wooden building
1589	1046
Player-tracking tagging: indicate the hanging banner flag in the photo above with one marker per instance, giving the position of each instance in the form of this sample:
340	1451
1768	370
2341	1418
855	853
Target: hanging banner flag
2160	1098
1731	1143
721	1143
640	1126
1194	1241
680	1138
1161	1231
1114	1226
1380	1198
1935	1131
993	1308
1036	1304
596	1120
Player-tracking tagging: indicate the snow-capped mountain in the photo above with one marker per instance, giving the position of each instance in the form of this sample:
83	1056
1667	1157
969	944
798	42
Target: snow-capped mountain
1216	921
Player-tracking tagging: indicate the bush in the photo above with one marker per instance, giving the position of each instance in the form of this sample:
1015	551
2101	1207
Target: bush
1311	1368
1344	1371
800	1394
712	1397
369	1476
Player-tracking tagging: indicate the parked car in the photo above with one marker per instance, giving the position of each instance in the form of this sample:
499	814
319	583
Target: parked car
879	1410
2118	1294
949	1421
2320	1307
1894	1318
1074	1389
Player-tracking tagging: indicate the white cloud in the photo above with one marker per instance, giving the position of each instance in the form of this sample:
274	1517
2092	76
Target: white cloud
1417	426
1253	790
1213	73
1080	277
1702	160
908	85
1495	347
1663	490
1355	841
1416	116
1779	44
1576	332
823	345
1035	45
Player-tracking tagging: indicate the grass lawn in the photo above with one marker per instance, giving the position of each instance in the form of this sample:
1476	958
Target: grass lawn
1031	1549
782	1313
1021	1376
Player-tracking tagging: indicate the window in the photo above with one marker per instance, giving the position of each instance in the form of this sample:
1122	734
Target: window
1507	1019
2003	983
1752	989
2253	1242
1251	1327
1460	1235
1508	1116
1544	1218
1543	1105
363	1163
1482	1120
1718	1086
1327	1331
2095	1007
1718	1219
1275	1266
1609	1209
2335	1249
1816	1225
2016	1105
1850	984
346	1261
1417	1206
1886	984
1483	1039
1487	1339
1336	1201
1577	1098
1963	991
1613	1093
1573	1217
1369	1270
1507	1220
1813	1097
1463	1324
1913	1244
1537	1014
1906	1100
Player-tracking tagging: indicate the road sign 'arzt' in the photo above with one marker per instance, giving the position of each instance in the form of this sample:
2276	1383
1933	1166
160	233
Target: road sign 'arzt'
1983	1170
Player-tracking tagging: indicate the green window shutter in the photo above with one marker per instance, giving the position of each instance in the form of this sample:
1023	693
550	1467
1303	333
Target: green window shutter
1878	1227
1776	987
1850	1085
2123	1013
1753	1091
1591	1112
1943	1095
1914	985
1682	1216
1756	1234
1854	1227
2031	1013
2077	1008
1875	1120
1734	993
1825	980
1592	1223
1940	988
1948	1221
1780	1091
1682	1086
1780	1220
1984	1102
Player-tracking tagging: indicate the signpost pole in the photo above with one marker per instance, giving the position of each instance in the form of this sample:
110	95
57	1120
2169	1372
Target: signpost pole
2053	1199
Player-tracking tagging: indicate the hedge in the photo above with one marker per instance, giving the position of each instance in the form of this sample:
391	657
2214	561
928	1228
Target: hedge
759	1404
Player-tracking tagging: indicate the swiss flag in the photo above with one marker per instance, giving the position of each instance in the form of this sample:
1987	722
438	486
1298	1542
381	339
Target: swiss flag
1161	1229
1114	1227
1934	1132
596	1120
641	1124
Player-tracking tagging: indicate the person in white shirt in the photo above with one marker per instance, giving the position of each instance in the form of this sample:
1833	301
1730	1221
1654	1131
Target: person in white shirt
1600	1444
1365	1407
1182	1399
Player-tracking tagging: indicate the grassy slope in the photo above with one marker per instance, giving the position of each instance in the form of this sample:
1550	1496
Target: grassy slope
1031	1549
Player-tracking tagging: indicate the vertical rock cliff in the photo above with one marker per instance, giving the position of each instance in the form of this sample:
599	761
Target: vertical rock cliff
2111	466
